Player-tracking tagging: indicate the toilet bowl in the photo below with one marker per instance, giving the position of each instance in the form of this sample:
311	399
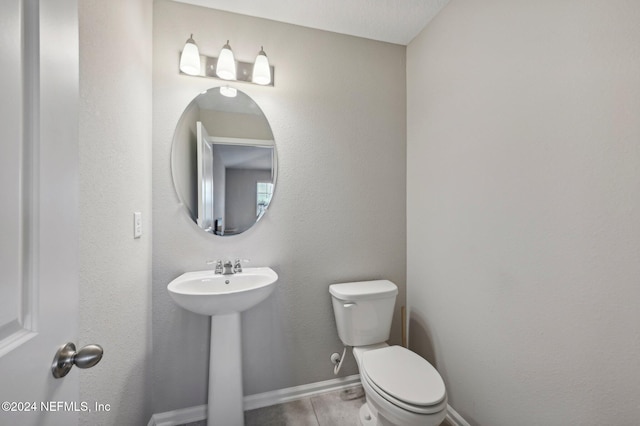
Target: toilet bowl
401	388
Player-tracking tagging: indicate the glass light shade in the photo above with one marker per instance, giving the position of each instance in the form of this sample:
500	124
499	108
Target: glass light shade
226	67
229	92
261	69
190	58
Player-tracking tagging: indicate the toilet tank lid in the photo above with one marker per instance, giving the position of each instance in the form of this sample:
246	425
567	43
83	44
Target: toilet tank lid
363	290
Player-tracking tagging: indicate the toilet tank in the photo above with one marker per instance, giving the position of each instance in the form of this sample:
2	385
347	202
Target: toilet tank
363	311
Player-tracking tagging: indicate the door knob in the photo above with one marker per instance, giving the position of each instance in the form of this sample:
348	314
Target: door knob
67	357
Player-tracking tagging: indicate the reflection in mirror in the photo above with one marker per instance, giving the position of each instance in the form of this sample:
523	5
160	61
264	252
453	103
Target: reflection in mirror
224	162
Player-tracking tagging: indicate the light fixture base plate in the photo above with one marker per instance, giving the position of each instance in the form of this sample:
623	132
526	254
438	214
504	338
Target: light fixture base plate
244	71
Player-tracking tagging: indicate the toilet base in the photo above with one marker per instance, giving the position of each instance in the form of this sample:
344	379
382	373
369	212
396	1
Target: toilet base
367	418
379	412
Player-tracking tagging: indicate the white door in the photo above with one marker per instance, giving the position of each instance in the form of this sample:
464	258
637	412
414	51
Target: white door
204	159
38	209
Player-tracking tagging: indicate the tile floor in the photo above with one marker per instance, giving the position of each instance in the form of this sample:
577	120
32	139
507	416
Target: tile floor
338	408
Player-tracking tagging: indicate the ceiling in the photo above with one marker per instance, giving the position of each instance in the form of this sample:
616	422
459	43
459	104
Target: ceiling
393	21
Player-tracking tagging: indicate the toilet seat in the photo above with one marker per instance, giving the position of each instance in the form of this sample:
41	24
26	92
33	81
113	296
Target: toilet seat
404	379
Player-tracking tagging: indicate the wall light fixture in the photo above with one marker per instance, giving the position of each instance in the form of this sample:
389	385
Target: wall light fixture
190	58
261	68
225	66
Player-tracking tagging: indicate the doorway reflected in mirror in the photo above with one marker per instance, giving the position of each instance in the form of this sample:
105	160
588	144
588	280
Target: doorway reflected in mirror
224	162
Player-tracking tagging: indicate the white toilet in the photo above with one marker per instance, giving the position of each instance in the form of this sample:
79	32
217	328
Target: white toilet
401	388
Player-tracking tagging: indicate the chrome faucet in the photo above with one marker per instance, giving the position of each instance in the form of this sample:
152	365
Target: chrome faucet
228	268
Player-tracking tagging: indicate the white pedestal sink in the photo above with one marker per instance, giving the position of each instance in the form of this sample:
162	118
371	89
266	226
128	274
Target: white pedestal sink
223	297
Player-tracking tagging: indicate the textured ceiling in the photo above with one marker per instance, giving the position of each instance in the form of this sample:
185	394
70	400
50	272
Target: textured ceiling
393	21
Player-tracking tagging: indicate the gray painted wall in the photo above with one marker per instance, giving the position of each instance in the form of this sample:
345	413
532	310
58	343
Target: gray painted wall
338	214
115	181
241	195
523	229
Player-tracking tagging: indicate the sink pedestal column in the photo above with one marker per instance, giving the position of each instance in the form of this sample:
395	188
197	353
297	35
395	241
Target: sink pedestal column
225	406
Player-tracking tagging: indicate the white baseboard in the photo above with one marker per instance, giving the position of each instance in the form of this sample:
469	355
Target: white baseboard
280	396
179	417
251	402
454	418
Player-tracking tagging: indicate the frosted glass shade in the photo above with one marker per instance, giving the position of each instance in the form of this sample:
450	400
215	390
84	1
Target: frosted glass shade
261	69
229	92
190	58
226	67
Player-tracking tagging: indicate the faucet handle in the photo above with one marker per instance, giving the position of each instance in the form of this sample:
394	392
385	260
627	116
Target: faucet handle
218	263
237	267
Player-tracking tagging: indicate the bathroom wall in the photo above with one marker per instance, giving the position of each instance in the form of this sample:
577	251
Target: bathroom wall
242	192
337	113
115	181
522	185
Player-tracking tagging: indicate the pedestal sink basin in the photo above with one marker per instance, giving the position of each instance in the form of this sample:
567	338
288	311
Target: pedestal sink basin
223	297
206	293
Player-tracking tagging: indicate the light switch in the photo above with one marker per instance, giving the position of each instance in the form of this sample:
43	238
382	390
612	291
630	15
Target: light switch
137	224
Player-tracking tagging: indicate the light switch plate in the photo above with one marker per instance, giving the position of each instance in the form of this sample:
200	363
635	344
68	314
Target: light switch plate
137	224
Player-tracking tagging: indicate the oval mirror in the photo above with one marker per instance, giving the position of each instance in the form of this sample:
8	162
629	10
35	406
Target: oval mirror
223	161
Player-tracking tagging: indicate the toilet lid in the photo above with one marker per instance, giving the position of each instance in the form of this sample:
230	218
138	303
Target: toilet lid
404	375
